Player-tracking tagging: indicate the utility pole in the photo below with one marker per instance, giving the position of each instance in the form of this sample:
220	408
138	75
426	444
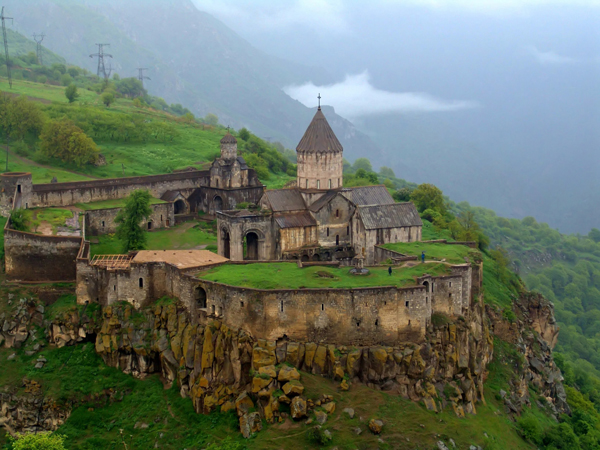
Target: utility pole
101	55
39	46
141	76
3	18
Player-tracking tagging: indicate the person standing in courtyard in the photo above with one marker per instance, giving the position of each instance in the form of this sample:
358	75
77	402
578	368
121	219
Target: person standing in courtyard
423	257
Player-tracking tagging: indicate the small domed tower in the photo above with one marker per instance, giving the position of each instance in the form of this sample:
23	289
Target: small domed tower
320	160
228	147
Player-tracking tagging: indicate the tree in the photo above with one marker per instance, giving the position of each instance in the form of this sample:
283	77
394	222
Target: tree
244	134
362	163
427	196
71	93
108	98
62	139
137	209
66	79
594	234
211	119
19	117
44	440
402	195
18	221
387	172
73	71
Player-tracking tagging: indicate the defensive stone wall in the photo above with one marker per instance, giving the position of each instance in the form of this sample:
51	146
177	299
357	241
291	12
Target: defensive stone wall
102	221
37	258
357	316
66	194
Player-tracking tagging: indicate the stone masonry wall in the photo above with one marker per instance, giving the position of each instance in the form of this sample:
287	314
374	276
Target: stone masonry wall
102	221
37	258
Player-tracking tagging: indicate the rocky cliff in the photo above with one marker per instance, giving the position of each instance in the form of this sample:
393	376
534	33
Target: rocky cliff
221	368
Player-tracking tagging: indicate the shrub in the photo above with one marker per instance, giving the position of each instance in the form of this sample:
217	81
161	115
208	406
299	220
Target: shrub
531	429
18	221
44	440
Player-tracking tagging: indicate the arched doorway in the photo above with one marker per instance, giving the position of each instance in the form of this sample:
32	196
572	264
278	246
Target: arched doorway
226	243
426	284
217	204
251	241
180	207
316	257
304	258
200	297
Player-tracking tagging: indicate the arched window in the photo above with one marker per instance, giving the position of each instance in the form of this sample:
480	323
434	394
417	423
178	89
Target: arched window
200	297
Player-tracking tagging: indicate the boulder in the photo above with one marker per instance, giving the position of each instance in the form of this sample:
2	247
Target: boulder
259	383
250	424
350	412
376	426
292	388
298	408
243	404
287	373
268	370
321	417
344	386
329	407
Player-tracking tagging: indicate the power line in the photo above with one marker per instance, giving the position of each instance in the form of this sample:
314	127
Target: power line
39	47
141	76
3	18
101	55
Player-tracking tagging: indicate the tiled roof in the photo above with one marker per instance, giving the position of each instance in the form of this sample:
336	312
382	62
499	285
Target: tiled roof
285	200
319	137
389	216
228	139
295	220
326	198
370	195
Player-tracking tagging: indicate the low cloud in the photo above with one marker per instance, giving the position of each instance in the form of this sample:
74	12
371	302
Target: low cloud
356	97
550	57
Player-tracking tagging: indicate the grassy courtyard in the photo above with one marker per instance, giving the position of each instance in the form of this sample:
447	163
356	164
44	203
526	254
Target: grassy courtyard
186	236
453	254
46	220
289	276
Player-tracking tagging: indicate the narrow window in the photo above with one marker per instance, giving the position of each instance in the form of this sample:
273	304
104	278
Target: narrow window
450	284
432	284
26	205
337	239
220	310
376	322
406	304
242	304
409	323
358	324
450	294
384	303
212	309
318	184
141	282
328	231
426	300
281	305
161	218
322	307
348	230
339	182
307	183
149	225
337	213
330	183
114	287
217	182
18	188
103	224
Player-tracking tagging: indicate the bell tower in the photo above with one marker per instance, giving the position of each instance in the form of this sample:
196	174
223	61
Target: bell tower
228	146
320	156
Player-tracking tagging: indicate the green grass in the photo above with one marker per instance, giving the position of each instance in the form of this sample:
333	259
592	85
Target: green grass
109	204
56	217
289	276
185	236
47	91
454	254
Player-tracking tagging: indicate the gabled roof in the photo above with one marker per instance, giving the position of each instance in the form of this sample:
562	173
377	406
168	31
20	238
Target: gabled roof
285	200
171	196
319	137
389	216
370	195
295	220
326	198
228	139
242	162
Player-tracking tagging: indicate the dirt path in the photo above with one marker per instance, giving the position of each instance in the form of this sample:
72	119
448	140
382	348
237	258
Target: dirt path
45	228
33	163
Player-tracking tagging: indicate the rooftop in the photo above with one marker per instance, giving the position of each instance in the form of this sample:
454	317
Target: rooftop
182	259
319	137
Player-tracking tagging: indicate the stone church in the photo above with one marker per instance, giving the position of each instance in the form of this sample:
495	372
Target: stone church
318	219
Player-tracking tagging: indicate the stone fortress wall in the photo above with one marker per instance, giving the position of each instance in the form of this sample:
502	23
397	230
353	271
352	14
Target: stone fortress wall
352	316
102	221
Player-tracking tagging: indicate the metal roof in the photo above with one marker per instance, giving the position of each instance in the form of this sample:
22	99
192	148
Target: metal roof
326	198
370	195
295	220
319	137
389	216
285	200
228	139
